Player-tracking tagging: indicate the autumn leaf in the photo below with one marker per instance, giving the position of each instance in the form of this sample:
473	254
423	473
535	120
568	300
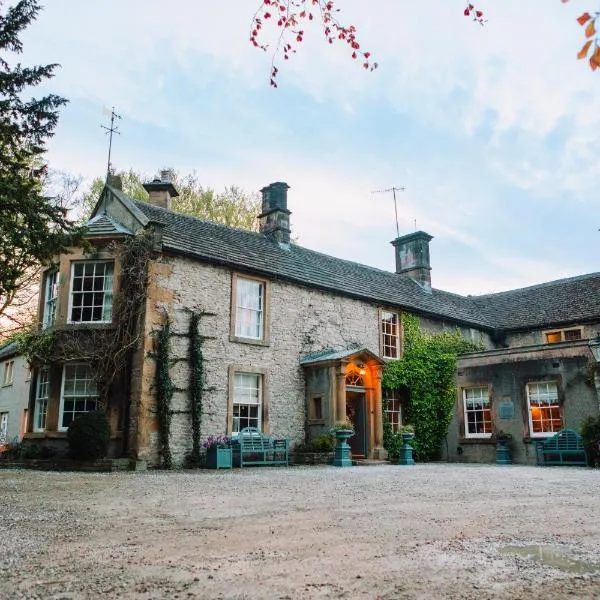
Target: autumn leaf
583	52
584	18
595	59
590	30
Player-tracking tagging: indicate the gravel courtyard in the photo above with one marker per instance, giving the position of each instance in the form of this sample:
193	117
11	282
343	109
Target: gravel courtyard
388	532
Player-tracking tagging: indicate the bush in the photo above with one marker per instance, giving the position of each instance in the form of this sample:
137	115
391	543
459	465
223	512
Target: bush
590	432
323	443
89	435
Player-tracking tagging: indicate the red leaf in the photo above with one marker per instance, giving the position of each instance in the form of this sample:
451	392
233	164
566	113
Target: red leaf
584	18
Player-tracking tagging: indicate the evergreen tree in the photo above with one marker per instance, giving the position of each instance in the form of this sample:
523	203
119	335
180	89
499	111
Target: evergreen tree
33	227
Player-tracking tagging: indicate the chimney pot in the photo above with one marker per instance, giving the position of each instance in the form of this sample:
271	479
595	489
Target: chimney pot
160	191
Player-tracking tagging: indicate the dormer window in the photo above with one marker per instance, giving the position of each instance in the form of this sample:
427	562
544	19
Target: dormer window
91	292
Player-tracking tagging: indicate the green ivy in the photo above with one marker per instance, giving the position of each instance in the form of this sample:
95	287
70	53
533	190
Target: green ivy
35	345
196	383
164	392
427	370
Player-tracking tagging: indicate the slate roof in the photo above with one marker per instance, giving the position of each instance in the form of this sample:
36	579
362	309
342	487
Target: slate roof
103	224
8	349
329	355
572	300
252	252
564	301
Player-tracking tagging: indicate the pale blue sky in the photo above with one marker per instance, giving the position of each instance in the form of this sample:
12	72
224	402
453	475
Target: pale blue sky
493	131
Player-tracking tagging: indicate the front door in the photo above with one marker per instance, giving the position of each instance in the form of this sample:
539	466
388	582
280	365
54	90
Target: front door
356	412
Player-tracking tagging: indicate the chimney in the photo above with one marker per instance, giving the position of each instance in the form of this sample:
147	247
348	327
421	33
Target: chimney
114	181
274	221
412	257
161	190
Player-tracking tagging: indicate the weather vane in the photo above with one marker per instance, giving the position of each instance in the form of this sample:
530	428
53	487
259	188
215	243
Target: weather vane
393	189
110	130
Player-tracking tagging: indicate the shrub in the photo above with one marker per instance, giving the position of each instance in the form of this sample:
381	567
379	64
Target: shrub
89	435
322	443
590	432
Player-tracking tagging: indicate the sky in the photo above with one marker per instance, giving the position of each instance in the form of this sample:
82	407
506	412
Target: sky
493	131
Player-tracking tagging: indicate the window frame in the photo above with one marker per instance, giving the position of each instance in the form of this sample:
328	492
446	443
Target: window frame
234	336
395	423
8	376
61	411
314	417
51	280
70	320
44	371
558	403
562	333
463	393
263	413
382	334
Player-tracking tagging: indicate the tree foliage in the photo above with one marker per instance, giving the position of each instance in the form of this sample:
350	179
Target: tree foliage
233	207
427	370
292	17
33	227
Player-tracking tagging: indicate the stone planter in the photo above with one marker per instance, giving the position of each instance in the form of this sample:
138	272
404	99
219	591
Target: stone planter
406	451
341	452
502	453
219	458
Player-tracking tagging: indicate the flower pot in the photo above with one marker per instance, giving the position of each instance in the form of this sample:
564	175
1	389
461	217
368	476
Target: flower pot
219	458
405	456
341	452
502	453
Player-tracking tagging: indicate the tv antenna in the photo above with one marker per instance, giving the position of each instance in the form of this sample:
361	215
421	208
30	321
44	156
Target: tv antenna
393	189
110	130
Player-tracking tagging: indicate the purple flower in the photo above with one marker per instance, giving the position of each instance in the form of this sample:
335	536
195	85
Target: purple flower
217	441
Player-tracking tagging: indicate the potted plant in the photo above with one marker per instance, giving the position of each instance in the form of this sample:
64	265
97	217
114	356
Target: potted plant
405	456
503	441
343	430
218	452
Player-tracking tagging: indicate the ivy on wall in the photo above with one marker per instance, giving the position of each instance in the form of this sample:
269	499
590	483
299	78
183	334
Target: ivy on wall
196	383
427	371
164	392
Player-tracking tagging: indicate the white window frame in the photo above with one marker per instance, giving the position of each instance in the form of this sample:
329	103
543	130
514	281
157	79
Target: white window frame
386	348
107	291
466	411
90	395
244	400
42	394
253	305
394	421
543	434
3	428
50	298
9	372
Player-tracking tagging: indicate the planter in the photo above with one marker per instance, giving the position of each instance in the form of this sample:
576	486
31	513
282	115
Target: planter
405	456
341	452
502	453
219	458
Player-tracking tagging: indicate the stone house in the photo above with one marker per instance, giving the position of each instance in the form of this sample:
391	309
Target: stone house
292	340
15	377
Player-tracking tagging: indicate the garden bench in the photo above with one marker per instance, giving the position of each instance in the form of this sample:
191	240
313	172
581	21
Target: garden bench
252	447
564	448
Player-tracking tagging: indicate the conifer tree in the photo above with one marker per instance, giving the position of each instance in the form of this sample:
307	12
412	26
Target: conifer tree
33	228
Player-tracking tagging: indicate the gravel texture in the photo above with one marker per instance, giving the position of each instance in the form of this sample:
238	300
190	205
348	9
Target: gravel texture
389	532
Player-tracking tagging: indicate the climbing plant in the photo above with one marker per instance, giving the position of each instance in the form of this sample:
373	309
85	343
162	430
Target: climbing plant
196	383
164	392
427	370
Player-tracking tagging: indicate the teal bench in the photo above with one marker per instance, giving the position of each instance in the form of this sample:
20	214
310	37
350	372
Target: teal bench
565	448
252	447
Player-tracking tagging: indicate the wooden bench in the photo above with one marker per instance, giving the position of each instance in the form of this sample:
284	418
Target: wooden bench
565	448
252	447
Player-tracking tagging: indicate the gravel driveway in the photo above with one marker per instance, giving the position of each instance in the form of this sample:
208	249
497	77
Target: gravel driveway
431	531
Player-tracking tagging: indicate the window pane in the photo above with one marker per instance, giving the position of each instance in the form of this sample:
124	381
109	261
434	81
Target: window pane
91	292
478	414
79	393
545	415
247	401
249	308
389	334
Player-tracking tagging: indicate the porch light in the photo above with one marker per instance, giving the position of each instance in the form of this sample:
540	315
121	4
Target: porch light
361	369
